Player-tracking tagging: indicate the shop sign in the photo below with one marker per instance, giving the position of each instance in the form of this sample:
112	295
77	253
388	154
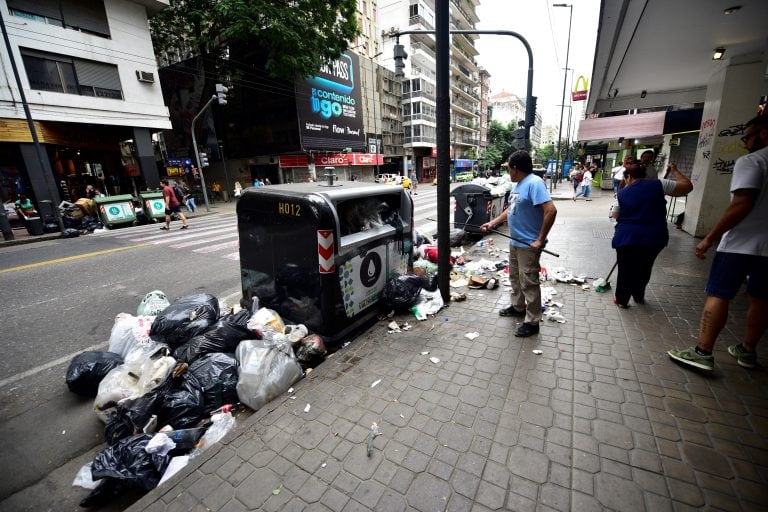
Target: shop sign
580	89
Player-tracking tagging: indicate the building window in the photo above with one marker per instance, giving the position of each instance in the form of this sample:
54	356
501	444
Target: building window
413	10
87	16
60	73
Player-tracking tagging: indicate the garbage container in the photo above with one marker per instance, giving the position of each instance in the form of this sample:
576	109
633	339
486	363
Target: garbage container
475	204
116	210
34	226
153	204
320	255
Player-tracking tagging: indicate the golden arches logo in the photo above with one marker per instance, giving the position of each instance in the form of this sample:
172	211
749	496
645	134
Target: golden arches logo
580	89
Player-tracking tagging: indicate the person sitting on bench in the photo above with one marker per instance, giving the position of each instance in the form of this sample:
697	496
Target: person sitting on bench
24	207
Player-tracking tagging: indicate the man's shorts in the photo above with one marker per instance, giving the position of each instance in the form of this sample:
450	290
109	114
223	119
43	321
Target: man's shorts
729	270
173	209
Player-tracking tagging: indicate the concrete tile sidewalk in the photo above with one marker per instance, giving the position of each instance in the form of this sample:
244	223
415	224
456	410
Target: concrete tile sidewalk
602	419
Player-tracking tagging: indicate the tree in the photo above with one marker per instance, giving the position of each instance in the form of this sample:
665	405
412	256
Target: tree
296	37
499	144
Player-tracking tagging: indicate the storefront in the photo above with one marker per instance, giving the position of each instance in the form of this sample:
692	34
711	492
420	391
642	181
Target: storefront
303	167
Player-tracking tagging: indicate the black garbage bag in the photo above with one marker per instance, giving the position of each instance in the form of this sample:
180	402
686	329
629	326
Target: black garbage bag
128	462
457	236
70	233
217	375
87	369
131	416
223	336
311	351
183	404
429	282
107	491
401	292
72	222
185	318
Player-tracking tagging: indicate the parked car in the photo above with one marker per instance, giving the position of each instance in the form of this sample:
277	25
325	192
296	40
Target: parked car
386	178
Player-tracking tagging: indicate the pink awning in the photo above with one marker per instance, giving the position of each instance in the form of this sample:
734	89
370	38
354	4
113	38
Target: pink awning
630	126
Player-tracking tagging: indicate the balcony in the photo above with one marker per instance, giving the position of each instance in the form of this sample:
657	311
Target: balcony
419	71
471	18
419	117
419	94
421	140
464	89
419	20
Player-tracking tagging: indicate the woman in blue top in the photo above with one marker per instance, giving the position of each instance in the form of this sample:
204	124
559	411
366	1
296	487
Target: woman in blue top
641	229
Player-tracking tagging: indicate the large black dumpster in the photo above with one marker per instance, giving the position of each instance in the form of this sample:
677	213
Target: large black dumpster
321	255
475	205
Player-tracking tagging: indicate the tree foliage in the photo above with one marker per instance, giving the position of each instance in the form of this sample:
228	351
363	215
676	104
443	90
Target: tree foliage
295	36
499	144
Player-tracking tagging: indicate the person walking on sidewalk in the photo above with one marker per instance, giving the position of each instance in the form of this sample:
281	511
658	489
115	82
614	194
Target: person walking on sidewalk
618	173
576	176
586	185
172	205
189	199
741	255
641	229
530	215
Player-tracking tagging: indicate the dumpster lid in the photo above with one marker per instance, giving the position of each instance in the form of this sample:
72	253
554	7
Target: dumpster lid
113	199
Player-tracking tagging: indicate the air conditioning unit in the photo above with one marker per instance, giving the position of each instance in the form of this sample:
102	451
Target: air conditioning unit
145	76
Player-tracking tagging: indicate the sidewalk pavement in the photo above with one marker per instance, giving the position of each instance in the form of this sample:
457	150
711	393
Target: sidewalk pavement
22	236
601	419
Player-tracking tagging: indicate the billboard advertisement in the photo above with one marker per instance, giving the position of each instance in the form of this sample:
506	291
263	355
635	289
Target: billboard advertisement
330	106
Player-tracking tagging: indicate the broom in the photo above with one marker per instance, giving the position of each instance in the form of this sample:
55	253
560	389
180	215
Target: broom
603	285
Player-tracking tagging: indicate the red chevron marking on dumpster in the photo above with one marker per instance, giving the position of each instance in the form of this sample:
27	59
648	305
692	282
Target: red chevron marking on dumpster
325	251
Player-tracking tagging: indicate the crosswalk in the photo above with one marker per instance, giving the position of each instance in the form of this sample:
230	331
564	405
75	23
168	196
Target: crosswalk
216	235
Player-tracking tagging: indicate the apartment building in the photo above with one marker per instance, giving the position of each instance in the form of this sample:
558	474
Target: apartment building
88	71
419	85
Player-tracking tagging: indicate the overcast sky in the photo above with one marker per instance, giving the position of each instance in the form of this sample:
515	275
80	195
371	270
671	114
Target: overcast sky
546	30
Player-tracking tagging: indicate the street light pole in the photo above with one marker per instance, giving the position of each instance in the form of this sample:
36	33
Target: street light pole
374	86
197	153
565	80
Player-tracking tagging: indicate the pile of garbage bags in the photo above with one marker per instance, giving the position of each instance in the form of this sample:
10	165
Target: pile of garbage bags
80	215
169	378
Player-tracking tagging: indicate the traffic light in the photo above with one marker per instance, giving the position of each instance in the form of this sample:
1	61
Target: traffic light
530	116
204	160
221	94
518	137
400	56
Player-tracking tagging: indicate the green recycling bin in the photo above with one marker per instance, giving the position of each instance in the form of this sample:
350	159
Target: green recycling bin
153	204
116	210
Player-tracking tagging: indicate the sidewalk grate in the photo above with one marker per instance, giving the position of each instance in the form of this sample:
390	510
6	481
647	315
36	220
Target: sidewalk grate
602	233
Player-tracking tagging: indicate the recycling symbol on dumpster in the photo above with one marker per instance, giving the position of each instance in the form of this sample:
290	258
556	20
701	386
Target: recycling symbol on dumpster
157	205
114	210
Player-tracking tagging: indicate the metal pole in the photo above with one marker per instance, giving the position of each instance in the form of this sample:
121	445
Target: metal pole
197	153
45	164
565	79
374	84
224	163
443	101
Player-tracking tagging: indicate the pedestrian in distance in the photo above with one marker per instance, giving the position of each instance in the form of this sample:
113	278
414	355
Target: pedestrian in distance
641	228
172	205
189	199
742	255
414	181
238	189
576	176
586	185
618	173
530	215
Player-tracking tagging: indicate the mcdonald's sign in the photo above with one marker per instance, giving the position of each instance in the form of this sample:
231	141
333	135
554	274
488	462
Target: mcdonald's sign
580	89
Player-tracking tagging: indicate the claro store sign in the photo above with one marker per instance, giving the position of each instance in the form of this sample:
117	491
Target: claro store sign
331	159
329	106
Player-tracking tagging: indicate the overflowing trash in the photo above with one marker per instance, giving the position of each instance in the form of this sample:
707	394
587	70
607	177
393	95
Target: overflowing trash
167	384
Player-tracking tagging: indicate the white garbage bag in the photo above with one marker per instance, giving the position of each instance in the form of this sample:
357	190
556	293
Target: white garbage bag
128	331
266	370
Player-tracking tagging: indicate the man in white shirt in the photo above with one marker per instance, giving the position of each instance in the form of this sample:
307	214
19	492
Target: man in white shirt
742	255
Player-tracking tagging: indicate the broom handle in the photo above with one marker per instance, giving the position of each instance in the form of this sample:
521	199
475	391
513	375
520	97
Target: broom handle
502	234
612	269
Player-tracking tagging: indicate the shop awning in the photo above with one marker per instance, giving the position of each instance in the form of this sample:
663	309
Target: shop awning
630	126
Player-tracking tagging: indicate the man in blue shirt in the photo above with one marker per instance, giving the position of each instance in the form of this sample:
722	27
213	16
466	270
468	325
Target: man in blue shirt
530	215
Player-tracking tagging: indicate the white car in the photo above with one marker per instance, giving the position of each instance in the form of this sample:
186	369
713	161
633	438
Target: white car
387	178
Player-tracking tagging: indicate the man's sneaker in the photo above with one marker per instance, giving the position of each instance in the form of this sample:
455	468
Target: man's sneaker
690	357
744	358
526	330
511	311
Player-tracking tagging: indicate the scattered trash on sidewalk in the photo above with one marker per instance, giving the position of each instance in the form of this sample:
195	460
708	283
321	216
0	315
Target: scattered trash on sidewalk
434	360
307	408
472	335
375	383
537	352
374	434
